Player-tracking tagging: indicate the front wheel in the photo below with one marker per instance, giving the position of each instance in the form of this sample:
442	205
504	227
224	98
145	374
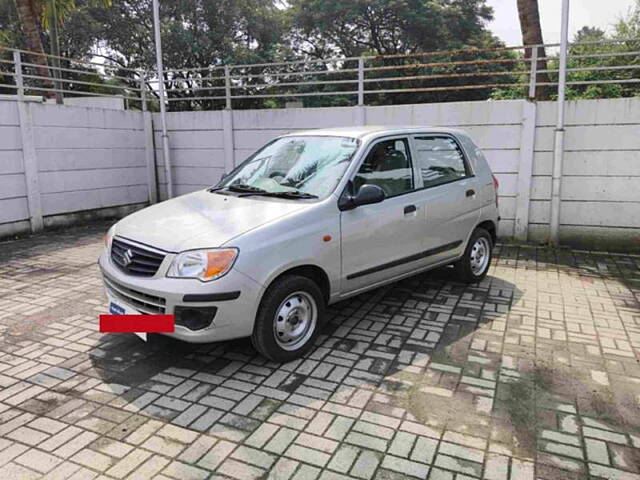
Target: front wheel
474	263
289	318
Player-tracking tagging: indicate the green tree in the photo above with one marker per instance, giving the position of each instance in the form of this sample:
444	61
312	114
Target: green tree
529	15
387	27
325	28
196	34
606	70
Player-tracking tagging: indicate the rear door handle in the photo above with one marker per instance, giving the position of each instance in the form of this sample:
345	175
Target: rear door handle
470	193
409	209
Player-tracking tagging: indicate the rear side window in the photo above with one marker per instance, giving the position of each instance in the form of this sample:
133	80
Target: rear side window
440	160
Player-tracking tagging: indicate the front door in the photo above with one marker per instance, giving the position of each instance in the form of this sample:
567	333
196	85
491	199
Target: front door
383	240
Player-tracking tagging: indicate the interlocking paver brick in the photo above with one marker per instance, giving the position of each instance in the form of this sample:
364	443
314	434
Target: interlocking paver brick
129	463
13	470
343	458
308	455
92	459
38	460
281	440
426	378
216	455
28	435
240	471
405	467
366	464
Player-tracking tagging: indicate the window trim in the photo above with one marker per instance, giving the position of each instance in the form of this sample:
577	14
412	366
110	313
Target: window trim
414	173
470	173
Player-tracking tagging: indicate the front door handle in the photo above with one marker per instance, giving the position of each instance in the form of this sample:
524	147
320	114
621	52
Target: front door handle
471	192
409	209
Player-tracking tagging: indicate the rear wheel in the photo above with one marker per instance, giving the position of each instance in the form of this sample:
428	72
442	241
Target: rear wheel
289	318
474	263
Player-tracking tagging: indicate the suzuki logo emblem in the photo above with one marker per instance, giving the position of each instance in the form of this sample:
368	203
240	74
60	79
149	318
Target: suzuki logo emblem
127	257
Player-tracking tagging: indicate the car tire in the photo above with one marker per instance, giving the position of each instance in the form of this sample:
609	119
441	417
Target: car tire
474	264
288	319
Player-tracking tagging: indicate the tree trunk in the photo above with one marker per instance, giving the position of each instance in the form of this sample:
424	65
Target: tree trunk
532	35
29	12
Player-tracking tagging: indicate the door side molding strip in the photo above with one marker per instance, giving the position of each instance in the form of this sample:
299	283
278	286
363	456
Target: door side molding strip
401	261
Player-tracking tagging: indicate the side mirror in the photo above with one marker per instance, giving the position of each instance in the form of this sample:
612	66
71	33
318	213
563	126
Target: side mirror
367	195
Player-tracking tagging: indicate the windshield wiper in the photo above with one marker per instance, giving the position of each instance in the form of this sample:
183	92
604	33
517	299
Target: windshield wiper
243	188
288	194
248	190
239	188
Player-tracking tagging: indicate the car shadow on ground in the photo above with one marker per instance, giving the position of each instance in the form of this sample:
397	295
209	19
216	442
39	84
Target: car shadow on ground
449	356
391	337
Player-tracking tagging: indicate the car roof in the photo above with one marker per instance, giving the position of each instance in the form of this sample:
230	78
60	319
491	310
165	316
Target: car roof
373	131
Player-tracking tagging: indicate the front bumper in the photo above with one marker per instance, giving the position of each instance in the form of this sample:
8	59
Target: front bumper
235	296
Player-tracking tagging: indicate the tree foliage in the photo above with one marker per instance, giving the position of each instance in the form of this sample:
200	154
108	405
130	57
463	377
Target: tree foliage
322	28
204	34
599	64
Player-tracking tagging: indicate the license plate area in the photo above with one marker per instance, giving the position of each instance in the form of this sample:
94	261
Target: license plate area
118	309
115	309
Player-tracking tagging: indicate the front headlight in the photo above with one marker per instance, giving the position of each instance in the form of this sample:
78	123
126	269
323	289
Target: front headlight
204	265
108	237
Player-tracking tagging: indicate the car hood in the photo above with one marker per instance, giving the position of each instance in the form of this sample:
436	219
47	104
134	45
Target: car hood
202	220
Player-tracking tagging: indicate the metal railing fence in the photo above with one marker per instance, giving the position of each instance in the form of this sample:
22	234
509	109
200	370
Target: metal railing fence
467	74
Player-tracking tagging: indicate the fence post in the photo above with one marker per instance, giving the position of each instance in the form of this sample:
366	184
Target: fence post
227	87
29	157
360	108
525	170
149	148
227	124
360	81
533	72
17	68
558	144
143	90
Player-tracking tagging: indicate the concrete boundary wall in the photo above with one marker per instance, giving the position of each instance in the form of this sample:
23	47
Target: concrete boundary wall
69	160
198	149
601	179
600	188
56	160
14	206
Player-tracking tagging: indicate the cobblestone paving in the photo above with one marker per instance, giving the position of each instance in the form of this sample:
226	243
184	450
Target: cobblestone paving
533	373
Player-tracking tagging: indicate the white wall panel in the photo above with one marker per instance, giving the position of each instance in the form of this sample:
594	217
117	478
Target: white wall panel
9	114
65	202
72	180
91	157
11	162
12	186
13	209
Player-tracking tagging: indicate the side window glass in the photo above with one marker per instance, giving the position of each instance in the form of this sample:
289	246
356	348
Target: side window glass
388	166
440	160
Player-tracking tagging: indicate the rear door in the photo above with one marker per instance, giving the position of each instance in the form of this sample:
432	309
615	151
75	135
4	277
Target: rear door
383	240
451	195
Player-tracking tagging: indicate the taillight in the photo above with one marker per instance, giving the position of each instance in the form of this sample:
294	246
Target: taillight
496	184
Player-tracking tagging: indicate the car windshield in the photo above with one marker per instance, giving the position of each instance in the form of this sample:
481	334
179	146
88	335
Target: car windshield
307	166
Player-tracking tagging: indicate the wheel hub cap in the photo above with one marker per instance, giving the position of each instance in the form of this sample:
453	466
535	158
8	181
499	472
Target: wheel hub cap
480	255
295	320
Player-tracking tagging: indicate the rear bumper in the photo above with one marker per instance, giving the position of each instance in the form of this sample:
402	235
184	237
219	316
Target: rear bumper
235	296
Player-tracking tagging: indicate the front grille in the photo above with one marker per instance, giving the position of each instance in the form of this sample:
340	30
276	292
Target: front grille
143	302
135	260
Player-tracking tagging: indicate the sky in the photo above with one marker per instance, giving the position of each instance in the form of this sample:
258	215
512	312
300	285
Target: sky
595	13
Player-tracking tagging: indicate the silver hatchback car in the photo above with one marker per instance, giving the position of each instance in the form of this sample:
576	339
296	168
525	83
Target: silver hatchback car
311	218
